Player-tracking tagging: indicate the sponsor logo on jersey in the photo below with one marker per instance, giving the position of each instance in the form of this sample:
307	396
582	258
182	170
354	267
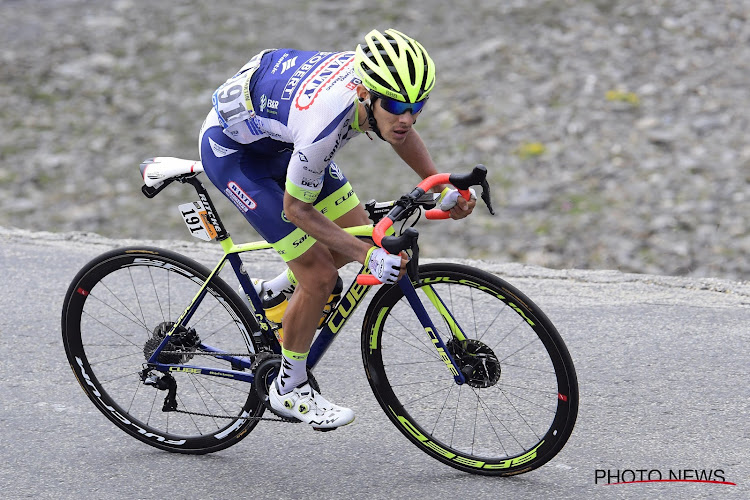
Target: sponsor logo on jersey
239	197
302	71
219	150
288	64
279	62
318	80
341	139
352	85
270	104
335	171
312	183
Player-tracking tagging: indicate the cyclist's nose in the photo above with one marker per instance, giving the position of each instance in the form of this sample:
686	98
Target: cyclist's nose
407	117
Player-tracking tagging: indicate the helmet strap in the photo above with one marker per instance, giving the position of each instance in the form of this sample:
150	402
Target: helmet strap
371	119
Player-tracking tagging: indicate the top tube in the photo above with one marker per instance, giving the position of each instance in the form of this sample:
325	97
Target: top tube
229	247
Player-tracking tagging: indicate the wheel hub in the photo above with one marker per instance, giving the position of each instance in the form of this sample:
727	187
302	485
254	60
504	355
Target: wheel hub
477	362
180	346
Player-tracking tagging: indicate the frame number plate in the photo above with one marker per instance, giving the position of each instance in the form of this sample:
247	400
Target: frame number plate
196	219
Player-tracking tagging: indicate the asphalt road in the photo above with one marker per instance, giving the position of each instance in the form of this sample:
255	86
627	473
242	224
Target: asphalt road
662	363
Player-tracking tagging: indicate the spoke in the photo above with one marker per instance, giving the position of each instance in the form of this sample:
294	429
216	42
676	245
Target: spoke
543	407
523	367
407	384
153	404
420	347
519	350
412	401
445	402
137	297
115	377
499	313
156	293
497	344
114	358
520	415
135	321
485	409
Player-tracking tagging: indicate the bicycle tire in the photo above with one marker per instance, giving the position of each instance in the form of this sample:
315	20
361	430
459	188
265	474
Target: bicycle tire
520	407
116	305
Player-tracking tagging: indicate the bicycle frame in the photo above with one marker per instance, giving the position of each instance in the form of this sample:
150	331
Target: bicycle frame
348	303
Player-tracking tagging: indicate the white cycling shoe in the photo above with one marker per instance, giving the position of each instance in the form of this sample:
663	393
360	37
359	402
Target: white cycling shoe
308	406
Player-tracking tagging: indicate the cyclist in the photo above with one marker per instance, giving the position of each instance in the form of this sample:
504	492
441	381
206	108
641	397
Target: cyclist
268	145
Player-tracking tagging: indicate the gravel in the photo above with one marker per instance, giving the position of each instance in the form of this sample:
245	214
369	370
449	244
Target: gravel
615	132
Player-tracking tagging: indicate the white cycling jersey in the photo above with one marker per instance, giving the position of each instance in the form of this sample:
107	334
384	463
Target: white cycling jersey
306	99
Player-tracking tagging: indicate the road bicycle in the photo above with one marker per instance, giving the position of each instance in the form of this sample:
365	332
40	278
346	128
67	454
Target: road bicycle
467	367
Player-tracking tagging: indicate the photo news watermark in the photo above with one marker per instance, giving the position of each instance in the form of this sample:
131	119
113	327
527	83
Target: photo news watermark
641	476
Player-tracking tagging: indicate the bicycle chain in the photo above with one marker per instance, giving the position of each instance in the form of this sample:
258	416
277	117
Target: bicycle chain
269	419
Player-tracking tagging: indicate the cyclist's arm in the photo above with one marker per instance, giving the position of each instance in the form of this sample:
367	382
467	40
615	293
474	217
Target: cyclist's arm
414	152
306	217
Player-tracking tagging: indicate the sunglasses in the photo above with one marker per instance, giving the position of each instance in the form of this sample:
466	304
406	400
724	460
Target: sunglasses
399	108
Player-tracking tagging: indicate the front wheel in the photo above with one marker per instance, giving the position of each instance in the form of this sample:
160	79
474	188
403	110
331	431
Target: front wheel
520	400
118	310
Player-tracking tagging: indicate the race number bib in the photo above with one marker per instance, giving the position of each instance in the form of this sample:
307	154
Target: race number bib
196	219
232	100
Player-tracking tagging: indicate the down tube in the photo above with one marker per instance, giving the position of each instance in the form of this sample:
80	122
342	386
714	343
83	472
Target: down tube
354	296
411	295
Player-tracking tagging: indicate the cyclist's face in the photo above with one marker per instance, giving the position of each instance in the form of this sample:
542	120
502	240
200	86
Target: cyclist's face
393	128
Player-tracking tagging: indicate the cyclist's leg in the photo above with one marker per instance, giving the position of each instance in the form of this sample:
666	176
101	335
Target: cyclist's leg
316	271
314	266
357	216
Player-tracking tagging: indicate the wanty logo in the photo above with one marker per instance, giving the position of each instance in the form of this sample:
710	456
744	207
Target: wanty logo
240	197
313	85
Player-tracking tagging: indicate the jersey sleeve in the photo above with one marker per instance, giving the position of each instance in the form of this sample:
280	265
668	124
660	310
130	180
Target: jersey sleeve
304	178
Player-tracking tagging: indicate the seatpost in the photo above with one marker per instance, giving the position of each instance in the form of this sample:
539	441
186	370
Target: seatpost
211	212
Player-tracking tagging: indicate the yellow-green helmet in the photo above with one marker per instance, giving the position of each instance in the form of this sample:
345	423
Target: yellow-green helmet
395	65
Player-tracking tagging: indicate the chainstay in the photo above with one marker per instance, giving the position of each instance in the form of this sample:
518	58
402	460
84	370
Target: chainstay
204	353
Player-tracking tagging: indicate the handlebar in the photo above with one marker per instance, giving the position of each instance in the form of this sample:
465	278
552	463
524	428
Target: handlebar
408	240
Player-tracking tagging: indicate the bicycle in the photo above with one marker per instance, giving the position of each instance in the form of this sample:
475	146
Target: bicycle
464	365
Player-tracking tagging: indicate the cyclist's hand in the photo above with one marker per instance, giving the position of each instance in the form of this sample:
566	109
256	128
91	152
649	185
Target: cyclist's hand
451	199
386	267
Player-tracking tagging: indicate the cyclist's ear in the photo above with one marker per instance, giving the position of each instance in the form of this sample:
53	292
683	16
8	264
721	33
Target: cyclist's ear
363	94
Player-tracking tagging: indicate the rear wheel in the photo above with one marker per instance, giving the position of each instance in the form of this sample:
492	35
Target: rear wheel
117	311
520	400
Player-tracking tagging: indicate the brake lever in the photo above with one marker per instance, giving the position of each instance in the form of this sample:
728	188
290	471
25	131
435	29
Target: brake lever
486	195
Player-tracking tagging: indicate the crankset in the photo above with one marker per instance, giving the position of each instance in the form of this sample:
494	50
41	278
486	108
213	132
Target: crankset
477	362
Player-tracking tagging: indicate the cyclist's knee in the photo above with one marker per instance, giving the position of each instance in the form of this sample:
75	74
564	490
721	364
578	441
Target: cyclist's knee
315	269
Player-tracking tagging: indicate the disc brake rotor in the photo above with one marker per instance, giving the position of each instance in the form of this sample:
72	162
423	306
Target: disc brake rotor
180	346
477	362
